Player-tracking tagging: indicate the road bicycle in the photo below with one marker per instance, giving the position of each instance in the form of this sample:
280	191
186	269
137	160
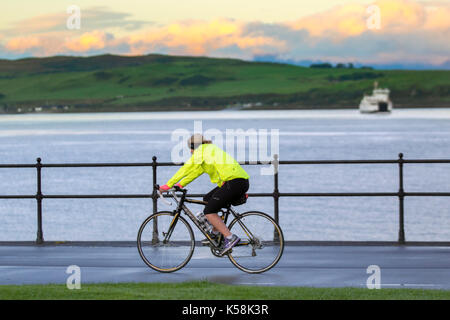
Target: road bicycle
166	240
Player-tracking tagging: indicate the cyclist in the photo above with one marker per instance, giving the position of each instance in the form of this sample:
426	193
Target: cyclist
231	179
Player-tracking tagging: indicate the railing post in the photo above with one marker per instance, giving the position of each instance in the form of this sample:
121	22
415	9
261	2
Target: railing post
401	198
276	194
155	238
40	236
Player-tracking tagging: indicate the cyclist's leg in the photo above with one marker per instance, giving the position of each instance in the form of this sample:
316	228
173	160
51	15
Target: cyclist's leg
218	224
220	198
206	198
209	194
210	211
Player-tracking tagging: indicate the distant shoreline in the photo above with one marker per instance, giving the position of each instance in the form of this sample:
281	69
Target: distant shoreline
194	109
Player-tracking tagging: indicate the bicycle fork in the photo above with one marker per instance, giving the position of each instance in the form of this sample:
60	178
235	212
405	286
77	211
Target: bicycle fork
172	225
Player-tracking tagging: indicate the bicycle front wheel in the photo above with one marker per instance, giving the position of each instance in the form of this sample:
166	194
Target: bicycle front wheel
261	245
165	244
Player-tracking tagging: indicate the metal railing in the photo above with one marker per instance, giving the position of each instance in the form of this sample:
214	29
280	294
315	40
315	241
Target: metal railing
275	194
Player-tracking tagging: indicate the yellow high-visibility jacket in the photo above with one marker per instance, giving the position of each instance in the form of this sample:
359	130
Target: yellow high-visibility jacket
209	158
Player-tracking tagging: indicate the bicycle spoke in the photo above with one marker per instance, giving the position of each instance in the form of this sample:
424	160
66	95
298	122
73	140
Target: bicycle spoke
262	242
174	246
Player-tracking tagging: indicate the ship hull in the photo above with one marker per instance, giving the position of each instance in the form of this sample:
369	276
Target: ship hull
381	107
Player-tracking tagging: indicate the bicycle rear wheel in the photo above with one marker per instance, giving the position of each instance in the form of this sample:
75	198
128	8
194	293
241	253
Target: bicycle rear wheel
164	245
261	245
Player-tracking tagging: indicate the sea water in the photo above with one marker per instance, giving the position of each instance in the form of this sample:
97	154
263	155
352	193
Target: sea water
301	135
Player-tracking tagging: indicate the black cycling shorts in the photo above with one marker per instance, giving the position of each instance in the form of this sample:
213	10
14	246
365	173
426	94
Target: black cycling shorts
221	197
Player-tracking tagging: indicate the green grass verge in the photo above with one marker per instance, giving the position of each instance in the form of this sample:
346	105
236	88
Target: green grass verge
204	290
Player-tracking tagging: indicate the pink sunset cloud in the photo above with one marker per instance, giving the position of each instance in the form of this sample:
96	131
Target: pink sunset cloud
199	37
397	16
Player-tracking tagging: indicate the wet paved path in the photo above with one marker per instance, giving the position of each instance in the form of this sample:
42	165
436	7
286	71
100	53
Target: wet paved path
318	266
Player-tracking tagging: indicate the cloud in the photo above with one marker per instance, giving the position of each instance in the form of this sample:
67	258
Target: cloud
93	18
34	45
39	45
344	20
438	18
199	37
397	16
102	18
89	41
21	44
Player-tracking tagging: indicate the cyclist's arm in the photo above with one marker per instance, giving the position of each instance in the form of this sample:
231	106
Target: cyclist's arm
191	176
189	171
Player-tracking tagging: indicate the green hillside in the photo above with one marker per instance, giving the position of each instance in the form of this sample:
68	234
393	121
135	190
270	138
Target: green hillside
159	82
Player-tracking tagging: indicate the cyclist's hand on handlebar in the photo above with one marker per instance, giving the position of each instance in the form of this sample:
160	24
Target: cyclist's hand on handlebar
164	188
179	185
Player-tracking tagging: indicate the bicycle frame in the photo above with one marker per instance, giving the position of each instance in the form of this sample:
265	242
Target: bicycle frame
182	207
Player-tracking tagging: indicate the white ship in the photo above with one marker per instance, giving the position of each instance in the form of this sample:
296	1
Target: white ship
377	102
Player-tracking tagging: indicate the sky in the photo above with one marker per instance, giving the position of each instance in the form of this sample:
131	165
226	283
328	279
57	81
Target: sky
383	32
